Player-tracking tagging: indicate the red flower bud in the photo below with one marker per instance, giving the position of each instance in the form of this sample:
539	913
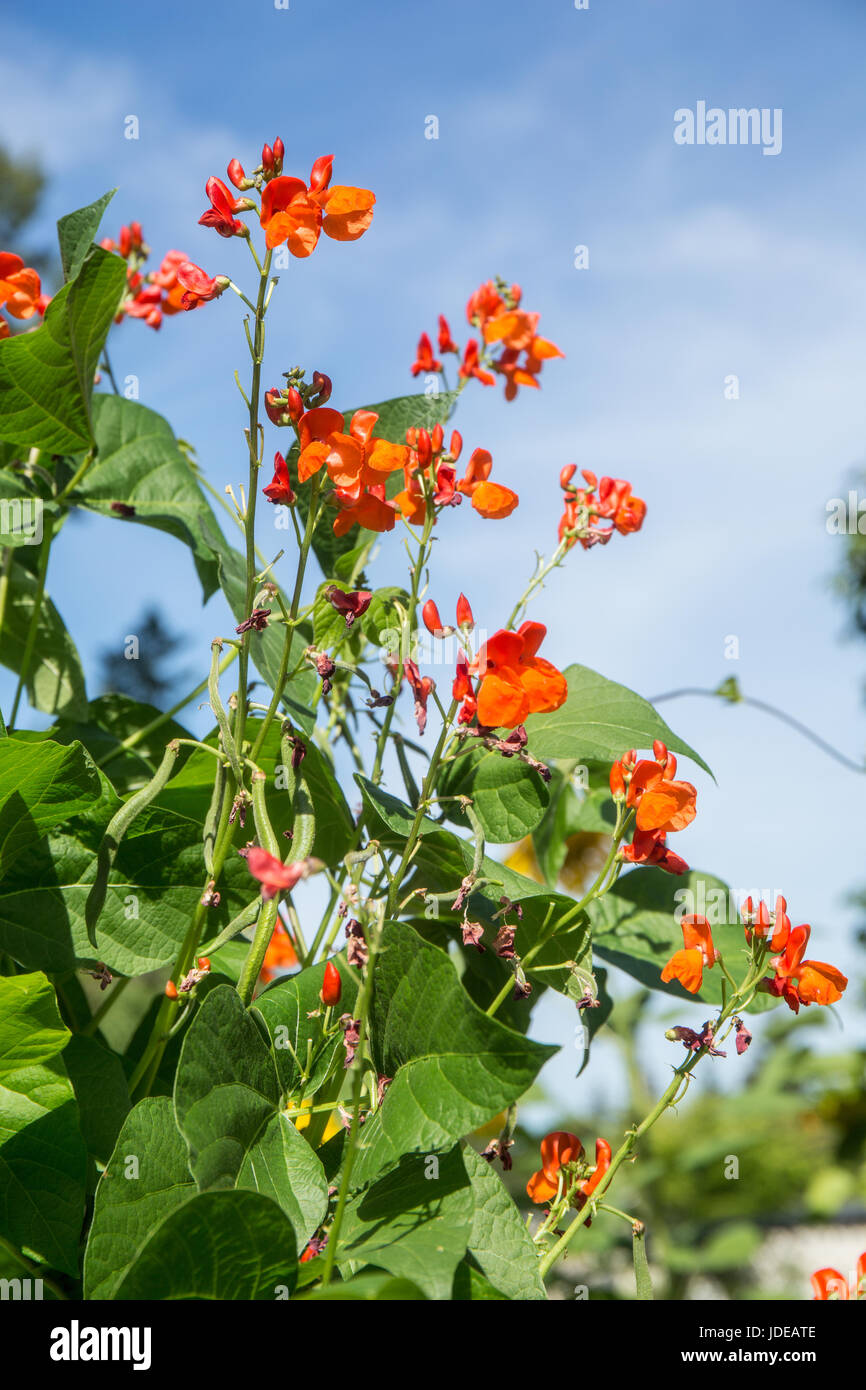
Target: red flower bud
464	613
432	620
275	406
171	990
235	172
294	404
660	750
125	242
322	387
455	448
136	235
424	447
332	986
279	151
204	963
437	437
567	474
617	780
267	158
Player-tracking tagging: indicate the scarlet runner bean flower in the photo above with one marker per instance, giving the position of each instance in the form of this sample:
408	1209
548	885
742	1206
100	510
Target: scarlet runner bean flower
513	680
221	213
662	805
20	288
610	500
279	490
698	951
199	287
280	955
563	1153
829	1284
295	213
800	981
274	876
424	359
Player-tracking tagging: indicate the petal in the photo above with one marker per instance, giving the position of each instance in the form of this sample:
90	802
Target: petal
687	967
348	212
363	424
540	1189
541	348
344	460
819	983
667	806
10	264
504	648
493	501
277	195
502	701
311	459
319	423
533	635
383	457
546	688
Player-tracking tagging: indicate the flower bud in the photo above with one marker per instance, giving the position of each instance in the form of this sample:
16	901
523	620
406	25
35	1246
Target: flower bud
236	175
322	387
125	242
332	986
279	151
267	159
171	990
136	235
567	474
432	620
437	438
455	448
275	406
464	613
294	404
617	781
660	750
320	175
424	448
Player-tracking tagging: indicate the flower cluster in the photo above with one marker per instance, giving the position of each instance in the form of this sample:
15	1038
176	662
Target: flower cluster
20	291
177	285
563	1167
794	979
493	309
609	501
506	680
661	805
430	475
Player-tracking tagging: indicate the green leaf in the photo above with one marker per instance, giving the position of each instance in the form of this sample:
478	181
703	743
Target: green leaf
152	890
41	785
500	1242
228	1101
634	927
600	720
46	376
42	1155
99	1083
140	463
643	1282
218	1245
55	679
374	1286
109	720
509	799
452	1067
146	1179
390	811
31	1029
471	1286
414	1222
76	232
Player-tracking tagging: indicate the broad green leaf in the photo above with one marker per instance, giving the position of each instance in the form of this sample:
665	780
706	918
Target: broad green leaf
46	376
471	1286
23	513
99	1083
55	679
76	232
452	1067
634	927
234	1246
390	811
109	720
41	785
43	1163
31	1029
499	1240
290	1011
153	888
228	1106
600	720
414	1222
509	799
146	1178
373	1286
140	464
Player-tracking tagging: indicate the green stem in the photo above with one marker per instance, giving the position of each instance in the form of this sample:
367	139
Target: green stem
33	627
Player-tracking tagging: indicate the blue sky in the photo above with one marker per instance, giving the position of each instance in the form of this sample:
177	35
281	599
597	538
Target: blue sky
555	129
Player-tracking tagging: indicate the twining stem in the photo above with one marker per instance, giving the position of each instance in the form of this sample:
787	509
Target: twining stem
427	790
33	627
538	579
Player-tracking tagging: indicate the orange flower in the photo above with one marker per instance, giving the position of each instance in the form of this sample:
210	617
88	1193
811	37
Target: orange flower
515	682
494	501
424	359
296	214
356	458
314	430
799	981
198	286
280	954
20	288
662	803
557	1150
687	965
370	510
602	1163
584	507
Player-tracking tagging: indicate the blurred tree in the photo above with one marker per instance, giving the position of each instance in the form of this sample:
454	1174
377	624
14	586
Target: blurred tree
23	184
139	666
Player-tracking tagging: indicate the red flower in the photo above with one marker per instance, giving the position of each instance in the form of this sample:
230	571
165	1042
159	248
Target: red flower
199	287
20	288
352	603
490	500
470	366
296	214
829	1284
446	342
422	687
279	490
274	876
220	214
800	981
424	359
